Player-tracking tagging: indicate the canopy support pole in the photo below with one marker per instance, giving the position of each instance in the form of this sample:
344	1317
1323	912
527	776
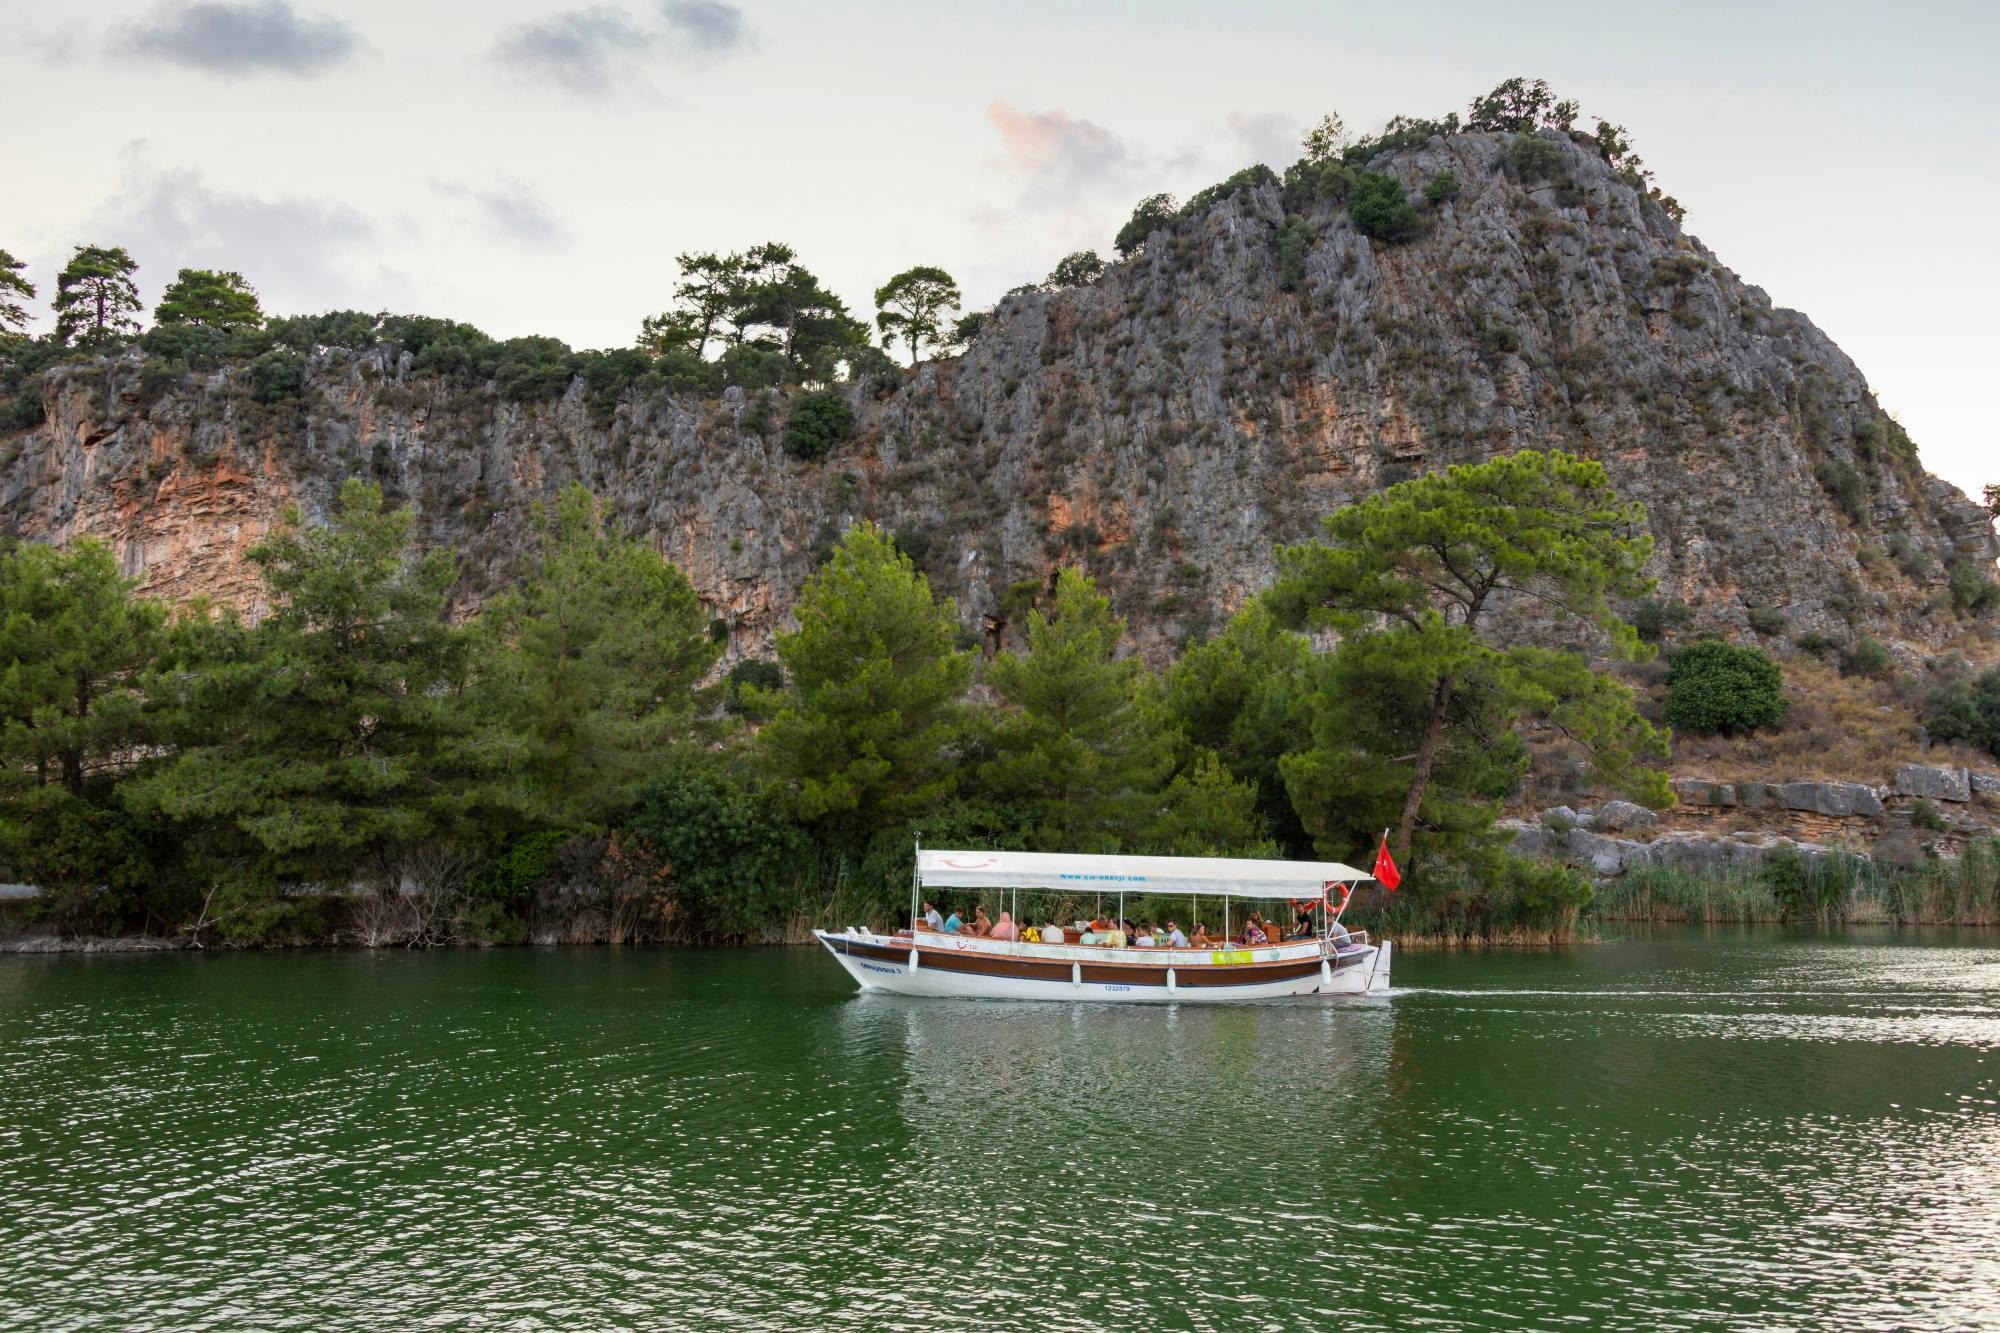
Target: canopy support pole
916	883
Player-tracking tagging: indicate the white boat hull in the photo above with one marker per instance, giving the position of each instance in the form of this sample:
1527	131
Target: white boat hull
971	969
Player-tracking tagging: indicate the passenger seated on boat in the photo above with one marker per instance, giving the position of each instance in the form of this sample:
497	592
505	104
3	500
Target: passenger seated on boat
1175	939
1144	939
1031	934
1052	933
952	925
982	925
1341	936
1201	939
1302	925
1003	929
932	921
1254	933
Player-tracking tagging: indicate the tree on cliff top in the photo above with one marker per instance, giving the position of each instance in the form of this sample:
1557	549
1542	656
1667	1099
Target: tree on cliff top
912	307
860	737
209	299
14	289
1521	106
95	295
1153	212
1432	558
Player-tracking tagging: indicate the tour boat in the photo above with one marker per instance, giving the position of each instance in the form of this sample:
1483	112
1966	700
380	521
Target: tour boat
1331	960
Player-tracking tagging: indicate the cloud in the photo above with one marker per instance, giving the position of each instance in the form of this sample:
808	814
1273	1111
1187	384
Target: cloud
581	50
591	51
512	211
706	25
222	38
1270	136
300	254
1055	150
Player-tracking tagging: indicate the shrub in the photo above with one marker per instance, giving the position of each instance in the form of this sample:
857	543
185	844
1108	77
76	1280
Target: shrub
1077	269
1798	890
1536	159
735	860
1972	592
1966	710
1653	618
1248	178
1843	481
1926	815
1295	240
511	878
913	542
1155	212
1911	558
1441	189
1866	657
1380	209
1819	645
1767	621
528	370
277	376
24	411
1722	688
818	422
752	673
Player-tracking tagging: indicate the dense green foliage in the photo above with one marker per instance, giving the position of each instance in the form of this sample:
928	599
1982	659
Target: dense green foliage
211	300
1722	688
818	423
1966	708
1429	558
1380	208
14	289
96	298
358	763
1077	270
1153	213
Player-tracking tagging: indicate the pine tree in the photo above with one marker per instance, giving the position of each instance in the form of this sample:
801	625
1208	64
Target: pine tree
14	289
74	642
595	661
1081	747
863	735
96	298
913	307
211	300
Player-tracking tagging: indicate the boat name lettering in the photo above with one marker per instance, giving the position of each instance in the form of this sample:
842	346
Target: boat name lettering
886	971
1225	957
1118	988
1104	879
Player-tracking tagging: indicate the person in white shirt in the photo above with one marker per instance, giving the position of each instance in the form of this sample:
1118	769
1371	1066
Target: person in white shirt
932	919
1052	934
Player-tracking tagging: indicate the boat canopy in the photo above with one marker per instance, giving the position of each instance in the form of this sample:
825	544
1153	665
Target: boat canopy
1225	876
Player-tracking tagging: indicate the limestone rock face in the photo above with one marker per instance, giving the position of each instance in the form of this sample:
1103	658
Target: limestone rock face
1938	784
1619	816
1165	427
1835	799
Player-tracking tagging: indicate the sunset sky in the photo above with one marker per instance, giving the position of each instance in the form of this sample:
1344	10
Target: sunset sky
534	168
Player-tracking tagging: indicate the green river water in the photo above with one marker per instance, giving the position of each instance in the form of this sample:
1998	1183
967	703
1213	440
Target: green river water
1682	1129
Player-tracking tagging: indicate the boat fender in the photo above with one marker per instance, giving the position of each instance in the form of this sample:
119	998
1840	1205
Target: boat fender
1325	974
1170	981
913	960
1076	974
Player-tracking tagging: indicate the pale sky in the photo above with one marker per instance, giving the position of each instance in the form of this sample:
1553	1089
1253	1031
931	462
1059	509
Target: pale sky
533	166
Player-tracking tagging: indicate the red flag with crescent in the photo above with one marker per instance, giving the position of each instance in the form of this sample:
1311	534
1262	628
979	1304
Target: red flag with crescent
1385	867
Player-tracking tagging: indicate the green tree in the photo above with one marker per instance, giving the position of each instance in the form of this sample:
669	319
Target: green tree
818	422
1326	141
1521	106
1380	208
711	286
209	299
1154	212
1076	270
1080	746
1350	771
14	289
74	643
333	739
1244	695
913	306
1435	556
594	662
862	737
735	861
1208	811
95	295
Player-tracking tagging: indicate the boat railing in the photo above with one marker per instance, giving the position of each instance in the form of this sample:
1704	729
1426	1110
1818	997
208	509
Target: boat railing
1335	944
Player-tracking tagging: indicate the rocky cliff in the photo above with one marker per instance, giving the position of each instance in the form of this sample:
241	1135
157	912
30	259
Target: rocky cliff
1251	369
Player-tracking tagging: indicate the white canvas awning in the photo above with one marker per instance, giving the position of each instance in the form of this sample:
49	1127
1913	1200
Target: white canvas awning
1131	874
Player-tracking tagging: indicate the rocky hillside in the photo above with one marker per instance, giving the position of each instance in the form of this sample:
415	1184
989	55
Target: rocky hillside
1258	364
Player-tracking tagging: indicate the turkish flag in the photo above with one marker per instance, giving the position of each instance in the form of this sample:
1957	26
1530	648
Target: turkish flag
1385	867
